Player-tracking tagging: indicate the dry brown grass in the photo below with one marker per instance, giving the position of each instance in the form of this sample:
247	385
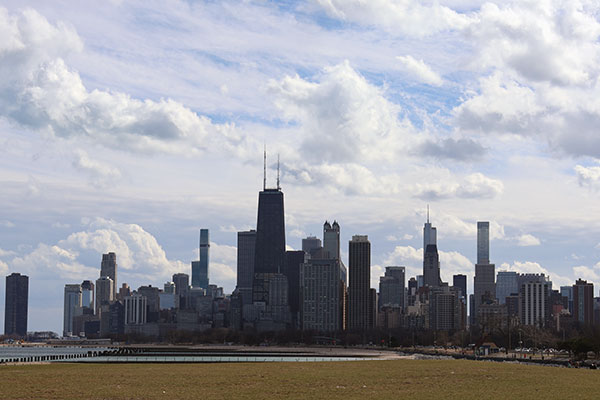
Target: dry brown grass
337	380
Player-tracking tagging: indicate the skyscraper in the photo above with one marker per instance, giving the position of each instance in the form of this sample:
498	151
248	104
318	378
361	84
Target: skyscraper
583	302
311	243
71	304
87	295
15	306
246	247
104	292
200	267
182	283
431	266
321	302
429	233
460	281
534	302
507	283
108	267
269	256
331	239
293	262
483	242
484	282
360	276
391	288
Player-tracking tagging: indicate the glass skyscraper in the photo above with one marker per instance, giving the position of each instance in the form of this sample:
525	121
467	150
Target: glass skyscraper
200	267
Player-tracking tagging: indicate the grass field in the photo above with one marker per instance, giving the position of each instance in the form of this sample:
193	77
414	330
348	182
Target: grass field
338	380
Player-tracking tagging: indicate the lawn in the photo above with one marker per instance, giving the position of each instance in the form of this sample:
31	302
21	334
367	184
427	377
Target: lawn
338	380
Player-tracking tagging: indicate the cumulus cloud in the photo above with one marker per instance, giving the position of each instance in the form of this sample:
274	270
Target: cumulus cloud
6	253
588	176
528	240
140	258
413	18
223	265
419	70
343	117
40	91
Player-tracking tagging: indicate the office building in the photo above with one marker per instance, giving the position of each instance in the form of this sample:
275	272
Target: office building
412	291
15	305
534	302
567	291
269	256
136	309
360	275
431	267
87	295
331	239
321	288
483	242
459	281
583	302
246	247
429	233
104	292
72	303
108	267
484	282
391	288
445	308
310	244
182	283
507	283
293	262
200	267
152	295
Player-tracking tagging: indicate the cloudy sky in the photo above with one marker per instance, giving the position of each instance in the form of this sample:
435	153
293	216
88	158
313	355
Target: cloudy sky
129	126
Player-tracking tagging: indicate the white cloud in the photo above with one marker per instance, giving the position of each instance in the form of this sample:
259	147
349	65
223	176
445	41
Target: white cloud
413	18
48	95
102	173
6	253
3	268
527	240
343	117
588	176
475	185
420	71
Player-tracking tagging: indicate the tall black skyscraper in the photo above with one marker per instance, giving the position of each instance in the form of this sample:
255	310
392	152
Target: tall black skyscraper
431	266
460	281
360	282
15	310
269	256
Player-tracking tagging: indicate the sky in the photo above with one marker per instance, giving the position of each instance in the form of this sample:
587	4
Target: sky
127	126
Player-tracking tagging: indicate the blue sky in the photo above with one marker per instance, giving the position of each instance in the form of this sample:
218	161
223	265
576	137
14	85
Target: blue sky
128	126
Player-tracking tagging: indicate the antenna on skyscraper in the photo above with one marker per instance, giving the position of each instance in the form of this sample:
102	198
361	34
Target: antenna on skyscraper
265	169
427	213
278	188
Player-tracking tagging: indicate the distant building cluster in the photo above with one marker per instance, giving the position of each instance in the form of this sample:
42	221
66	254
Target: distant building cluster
312	290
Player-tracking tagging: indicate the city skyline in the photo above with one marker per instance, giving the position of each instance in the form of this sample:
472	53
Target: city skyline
373	123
